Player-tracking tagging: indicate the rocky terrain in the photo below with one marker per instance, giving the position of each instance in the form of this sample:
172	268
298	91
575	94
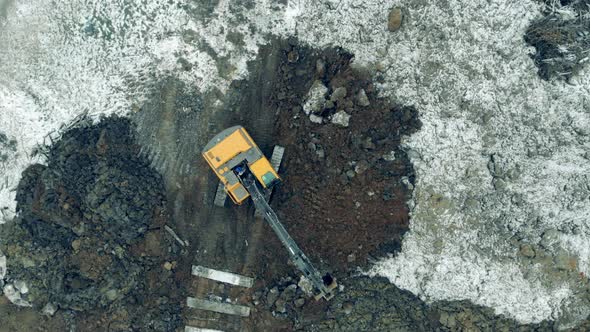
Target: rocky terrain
89	238
468	121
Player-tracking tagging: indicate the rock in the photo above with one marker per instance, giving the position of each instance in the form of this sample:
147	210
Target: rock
305	286
338	94
368	144
329	105
350	174
316	119
347	307
289	293
316	97
293	56
299	302
341	118
394	20
321	153
272	296
14	296
76	244
361	167
406	181
280	306
362	99
563	261
527	250
351	258
112	294
549	238
320	67
389	156
49	309
2	266
21	286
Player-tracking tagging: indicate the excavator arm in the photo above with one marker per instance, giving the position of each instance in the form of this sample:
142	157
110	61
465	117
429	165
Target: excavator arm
323	286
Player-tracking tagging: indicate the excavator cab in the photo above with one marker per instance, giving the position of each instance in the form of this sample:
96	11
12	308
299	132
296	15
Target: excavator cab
234	148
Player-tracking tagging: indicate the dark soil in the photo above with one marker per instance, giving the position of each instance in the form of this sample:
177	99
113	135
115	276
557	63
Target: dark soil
89	237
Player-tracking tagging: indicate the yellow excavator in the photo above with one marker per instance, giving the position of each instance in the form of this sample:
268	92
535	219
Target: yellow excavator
244	172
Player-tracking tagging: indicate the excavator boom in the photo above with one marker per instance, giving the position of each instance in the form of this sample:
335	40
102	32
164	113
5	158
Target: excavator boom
323	285
241	168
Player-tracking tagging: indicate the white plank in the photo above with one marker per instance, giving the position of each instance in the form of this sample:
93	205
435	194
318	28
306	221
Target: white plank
221	276
223	308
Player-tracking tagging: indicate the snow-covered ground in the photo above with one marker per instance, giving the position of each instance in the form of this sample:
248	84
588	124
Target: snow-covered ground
501	207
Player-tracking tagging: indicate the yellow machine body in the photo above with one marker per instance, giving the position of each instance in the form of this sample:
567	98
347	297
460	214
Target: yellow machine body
234	147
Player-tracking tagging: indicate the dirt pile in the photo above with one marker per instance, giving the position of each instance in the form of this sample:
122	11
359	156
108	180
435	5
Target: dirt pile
89	235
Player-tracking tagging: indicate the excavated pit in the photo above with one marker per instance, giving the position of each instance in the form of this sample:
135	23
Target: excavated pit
344	191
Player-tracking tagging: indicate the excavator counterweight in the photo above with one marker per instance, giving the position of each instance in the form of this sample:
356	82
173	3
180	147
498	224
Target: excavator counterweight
245	172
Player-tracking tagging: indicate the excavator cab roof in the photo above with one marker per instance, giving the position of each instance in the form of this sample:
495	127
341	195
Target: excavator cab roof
232	148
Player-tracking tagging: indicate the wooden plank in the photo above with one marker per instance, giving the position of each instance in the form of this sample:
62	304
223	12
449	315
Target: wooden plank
220	307
222	276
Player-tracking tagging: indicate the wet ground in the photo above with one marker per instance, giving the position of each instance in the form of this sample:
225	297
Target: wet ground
342	199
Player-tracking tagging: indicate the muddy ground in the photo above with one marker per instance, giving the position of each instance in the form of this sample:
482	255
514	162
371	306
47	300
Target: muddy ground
91	239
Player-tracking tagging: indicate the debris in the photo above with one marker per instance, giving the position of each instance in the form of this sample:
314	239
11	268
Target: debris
171	232
316	97
341	118
394	20
168	266
362	99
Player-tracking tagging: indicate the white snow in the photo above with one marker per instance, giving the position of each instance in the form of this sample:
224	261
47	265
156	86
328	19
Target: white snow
463	64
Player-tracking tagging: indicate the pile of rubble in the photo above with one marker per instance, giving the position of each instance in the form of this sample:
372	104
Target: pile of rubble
82	239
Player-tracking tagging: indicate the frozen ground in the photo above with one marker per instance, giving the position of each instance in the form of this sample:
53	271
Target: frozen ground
501	206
